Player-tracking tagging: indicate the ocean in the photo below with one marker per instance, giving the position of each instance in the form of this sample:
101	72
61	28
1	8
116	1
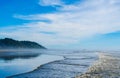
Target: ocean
49	63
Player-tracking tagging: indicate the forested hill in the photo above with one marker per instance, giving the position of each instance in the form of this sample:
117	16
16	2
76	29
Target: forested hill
11	43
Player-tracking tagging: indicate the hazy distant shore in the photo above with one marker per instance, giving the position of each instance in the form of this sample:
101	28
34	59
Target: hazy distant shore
108	66
19	49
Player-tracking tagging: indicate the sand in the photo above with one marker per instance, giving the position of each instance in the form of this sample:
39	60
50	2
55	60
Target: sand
108	66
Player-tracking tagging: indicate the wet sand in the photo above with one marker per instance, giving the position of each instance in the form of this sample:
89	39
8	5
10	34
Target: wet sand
108	66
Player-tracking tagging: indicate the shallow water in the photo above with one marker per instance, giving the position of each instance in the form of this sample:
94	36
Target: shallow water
24	64
17	62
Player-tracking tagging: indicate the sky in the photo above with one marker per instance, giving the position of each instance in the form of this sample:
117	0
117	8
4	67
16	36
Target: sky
62	24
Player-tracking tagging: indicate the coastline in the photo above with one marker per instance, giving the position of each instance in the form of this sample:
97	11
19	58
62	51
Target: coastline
108	66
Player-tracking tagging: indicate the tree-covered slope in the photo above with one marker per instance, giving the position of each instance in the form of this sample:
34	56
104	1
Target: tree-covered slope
10	43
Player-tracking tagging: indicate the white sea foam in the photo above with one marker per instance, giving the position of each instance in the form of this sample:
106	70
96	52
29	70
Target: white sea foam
108	66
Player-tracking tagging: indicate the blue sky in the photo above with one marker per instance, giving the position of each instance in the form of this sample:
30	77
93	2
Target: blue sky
62	24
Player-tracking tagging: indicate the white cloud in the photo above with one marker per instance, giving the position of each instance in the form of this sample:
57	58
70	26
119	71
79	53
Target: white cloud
72	23
50	2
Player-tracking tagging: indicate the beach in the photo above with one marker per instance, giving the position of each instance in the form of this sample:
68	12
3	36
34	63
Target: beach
64	64
108	66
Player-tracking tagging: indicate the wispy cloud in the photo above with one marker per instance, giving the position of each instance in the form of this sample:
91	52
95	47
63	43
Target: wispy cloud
50	2
72	23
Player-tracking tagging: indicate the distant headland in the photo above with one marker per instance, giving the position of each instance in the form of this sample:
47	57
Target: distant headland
7	43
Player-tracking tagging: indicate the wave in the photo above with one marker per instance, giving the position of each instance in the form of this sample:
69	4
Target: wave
108	66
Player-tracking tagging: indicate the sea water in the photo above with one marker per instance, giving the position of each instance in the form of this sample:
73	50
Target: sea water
17	62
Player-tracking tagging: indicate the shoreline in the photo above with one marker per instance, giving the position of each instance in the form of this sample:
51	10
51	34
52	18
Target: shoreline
108	66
